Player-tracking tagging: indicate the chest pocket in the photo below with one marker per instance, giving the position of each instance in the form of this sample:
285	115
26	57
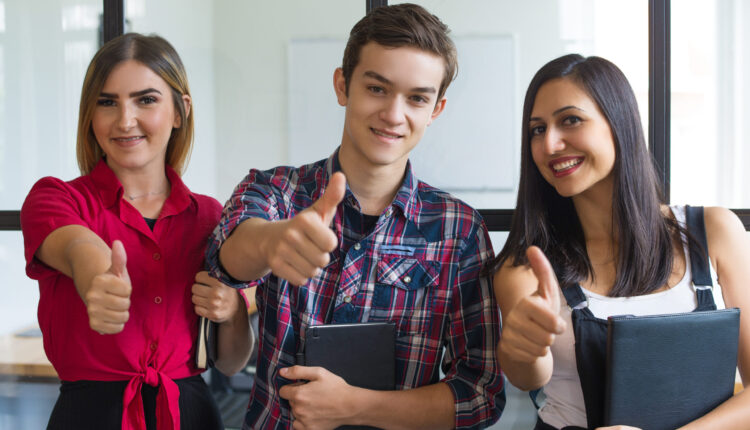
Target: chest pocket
404	293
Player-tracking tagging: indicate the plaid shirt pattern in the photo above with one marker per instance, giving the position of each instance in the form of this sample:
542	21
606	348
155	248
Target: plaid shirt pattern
420	267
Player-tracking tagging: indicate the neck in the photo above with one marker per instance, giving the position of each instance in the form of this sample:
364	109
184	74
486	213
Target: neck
373	186
594	209
143	184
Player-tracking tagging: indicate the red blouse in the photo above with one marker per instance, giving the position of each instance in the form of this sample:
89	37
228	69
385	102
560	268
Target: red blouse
156	345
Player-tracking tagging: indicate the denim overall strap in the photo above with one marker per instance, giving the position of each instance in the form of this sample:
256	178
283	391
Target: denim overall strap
591	353
700	266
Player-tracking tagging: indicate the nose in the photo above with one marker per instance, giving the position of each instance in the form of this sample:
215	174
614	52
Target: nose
553	141
126	117
393	111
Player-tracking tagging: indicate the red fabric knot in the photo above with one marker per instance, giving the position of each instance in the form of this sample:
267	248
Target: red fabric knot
152	377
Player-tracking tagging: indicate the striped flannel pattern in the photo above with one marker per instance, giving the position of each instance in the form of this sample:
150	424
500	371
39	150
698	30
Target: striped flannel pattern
419	267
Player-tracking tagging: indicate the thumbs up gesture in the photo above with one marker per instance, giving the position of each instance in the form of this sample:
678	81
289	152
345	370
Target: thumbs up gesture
301	245
108	298
530	327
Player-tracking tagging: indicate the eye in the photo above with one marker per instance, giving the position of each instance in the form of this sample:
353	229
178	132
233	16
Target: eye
537	130
376	89
571	120
105	102
419	99
147	100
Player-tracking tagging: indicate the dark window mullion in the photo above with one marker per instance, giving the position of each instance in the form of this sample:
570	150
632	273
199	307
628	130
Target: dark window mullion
659	90
113	24
372	4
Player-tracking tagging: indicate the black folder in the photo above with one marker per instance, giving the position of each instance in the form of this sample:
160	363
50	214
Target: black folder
664	371
363	354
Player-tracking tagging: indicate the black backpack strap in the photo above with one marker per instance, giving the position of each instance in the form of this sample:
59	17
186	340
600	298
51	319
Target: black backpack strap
699	264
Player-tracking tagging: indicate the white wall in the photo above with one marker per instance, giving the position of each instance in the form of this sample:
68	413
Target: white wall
236	55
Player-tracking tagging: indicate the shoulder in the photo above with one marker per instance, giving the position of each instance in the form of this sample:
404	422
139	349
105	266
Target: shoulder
207	204
284	179
458	219
724	230
721	223
52	191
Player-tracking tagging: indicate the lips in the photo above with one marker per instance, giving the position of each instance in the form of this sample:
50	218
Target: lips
128	140
565	165
386	134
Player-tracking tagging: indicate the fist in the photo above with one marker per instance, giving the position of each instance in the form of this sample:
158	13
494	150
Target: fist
214	300
108	298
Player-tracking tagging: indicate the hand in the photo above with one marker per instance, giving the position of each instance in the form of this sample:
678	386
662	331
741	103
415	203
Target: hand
321	403
530	327
108	298
301	245
214	300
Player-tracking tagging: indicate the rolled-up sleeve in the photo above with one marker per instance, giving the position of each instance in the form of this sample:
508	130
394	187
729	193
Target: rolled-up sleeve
257	196
470	363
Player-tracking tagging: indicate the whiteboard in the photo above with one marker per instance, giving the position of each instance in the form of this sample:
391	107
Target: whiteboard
470	147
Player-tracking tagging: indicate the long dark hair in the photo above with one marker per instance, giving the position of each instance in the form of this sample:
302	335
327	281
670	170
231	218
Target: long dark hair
546	219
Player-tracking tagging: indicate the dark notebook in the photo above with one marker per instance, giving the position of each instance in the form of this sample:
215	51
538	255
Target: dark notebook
664	371
364	354
205	344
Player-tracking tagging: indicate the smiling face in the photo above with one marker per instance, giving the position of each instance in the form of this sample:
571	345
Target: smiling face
134	118
392	98
571	140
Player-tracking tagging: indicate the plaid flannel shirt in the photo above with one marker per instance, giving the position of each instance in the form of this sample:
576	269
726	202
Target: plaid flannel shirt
420	267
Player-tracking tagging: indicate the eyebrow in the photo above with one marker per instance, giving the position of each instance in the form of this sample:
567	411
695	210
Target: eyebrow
564	108
133	94
383	79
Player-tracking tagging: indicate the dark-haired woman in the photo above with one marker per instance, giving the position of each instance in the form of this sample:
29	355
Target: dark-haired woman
118	253
591	238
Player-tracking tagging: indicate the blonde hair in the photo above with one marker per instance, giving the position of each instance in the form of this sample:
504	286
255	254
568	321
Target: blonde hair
158	55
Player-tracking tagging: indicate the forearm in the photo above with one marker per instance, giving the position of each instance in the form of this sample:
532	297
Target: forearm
732	414
78	253
526	376
234	342
242	255
428	407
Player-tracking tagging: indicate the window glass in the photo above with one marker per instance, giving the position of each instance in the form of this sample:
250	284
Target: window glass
536	32
261	74
45	46
710	121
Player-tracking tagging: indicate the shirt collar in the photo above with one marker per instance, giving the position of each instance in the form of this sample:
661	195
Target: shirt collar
111	191
406	196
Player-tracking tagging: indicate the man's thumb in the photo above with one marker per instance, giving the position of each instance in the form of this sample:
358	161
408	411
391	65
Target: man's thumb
119	260
334	193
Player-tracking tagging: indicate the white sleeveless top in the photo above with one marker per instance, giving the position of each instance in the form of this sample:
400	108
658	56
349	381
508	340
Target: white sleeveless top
564	405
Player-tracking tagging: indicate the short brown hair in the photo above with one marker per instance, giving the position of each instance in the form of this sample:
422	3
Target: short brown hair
158	55
400	25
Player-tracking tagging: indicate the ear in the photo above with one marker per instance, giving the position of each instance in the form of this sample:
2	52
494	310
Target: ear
439	106
188	103
339	85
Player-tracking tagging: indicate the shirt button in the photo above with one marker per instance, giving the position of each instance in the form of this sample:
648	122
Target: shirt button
157	300
157	256
348	299
357	246
152	346
407	279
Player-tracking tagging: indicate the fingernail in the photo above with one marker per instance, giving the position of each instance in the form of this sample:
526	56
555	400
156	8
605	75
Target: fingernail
284	371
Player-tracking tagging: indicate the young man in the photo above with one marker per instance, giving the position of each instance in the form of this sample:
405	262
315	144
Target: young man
357	238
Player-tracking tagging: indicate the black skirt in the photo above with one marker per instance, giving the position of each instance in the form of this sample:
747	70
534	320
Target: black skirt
98	405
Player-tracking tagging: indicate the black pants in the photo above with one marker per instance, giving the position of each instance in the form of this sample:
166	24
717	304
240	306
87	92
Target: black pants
98	405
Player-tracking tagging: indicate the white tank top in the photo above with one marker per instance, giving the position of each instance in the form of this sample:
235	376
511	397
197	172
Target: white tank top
564	405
